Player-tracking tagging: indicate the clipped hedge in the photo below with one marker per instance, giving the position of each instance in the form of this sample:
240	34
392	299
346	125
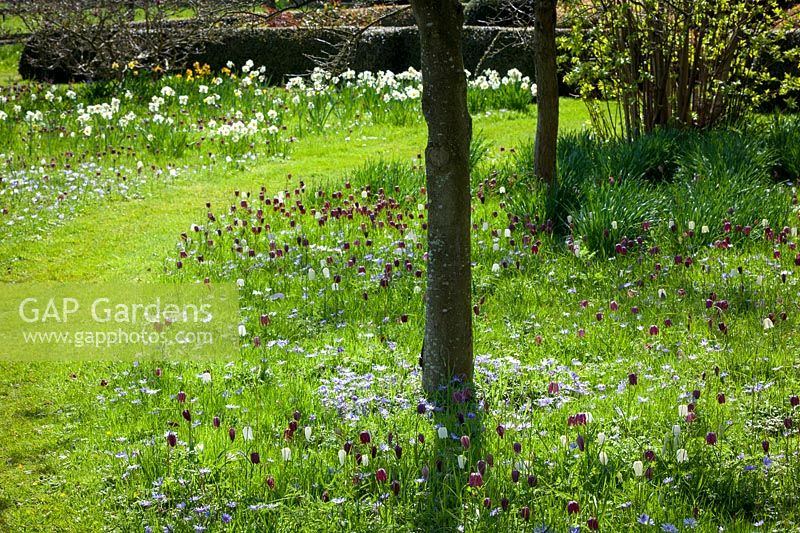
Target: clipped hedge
393	48
286	52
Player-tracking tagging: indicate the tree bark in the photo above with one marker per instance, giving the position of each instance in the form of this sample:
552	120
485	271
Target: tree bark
544	162
447	348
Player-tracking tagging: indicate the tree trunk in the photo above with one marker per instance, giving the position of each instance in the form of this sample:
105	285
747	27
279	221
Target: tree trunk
447	347
544	162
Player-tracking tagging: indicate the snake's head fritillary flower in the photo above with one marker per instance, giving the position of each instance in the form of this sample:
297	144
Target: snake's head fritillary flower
475	479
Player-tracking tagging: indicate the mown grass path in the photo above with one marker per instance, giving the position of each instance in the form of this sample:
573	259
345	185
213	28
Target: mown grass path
127	240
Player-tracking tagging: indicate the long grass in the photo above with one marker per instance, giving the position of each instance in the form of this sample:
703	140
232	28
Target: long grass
701	185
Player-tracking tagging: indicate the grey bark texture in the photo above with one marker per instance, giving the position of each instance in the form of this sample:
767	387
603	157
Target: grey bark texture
544	165
447	348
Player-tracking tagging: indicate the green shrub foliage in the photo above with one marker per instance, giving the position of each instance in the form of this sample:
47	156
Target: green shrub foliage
692	63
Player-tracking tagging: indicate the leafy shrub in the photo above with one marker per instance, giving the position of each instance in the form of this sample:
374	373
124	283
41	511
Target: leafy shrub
691	62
